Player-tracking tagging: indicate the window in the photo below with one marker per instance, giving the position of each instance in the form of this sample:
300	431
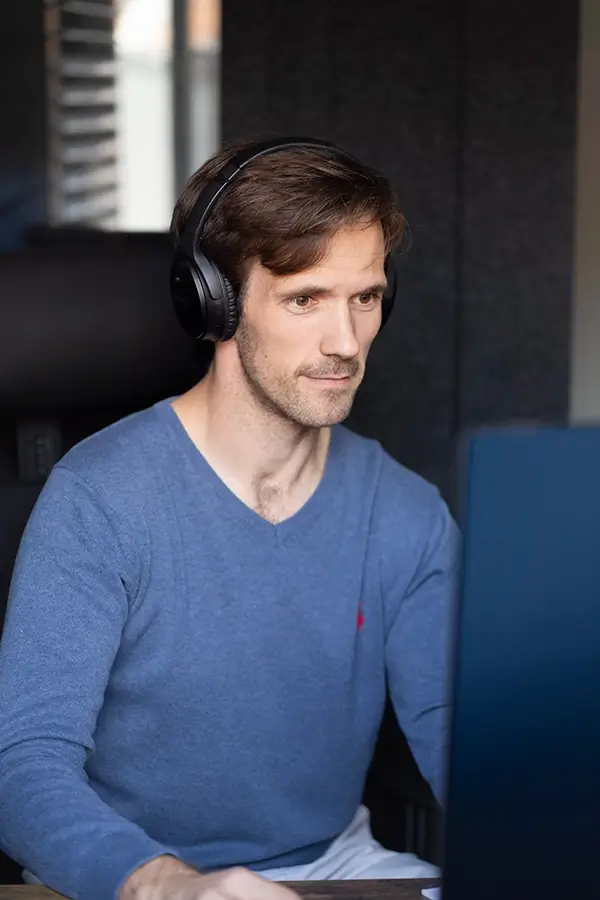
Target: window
82	122
168	102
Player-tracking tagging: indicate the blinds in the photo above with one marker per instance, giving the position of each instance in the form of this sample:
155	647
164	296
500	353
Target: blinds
81	86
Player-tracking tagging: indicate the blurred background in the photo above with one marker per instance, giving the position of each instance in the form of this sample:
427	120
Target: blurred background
485	114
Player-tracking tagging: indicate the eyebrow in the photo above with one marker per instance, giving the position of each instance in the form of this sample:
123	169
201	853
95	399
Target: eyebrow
315	290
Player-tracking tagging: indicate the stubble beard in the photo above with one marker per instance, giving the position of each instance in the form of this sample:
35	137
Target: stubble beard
282	396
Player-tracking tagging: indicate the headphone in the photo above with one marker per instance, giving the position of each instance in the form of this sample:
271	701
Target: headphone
205	302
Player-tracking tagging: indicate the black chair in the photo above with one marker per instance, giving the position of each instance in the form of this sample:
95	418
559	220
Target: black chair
405	816
88	336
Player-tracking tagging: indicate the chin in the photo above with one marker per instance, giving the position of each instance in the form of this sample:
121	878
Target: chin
304	408
317	417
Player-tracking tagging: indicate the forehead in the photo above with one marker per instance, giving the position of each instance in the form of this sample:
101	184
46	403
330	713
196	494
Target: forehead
354	254
354	259
359	246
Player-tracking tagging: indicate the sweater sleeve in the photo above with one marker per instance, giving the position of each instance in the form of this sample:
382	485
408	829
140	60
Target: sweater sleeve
418	644
73	582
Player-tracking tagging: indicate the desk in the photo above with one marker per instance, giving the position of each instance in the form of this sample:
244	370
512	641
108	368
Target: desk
310	890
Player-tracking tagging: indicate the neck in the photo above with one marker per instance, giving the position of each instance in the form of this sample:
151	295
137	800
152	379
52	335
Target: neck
249	446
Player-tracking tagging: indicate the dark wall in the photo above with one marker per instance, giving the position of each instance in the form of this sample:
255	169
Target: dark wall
23	157
470	108
518	188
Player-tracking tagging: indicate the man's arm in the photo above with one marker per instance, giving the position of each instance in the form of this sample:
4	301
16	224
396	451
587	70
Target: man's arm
418	644
67	608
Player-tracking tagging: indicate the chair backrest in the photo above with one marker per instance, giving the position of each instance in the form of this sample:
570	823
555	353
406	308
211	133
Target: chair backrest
88	335
89	326
16	502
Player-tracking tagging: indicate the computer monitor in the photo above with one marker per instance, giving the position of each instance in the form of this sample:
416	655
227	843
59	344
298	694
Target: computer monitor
523	797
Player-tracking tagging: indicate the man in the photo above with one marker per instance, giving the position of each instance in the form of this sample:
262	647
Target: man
211	594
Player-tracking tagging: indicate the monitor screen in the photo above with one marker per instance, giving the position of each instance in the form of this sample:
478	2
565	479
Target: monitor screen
523	802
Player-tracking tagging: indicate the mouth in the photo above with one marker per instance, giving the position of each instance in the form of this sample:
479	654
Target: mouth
331	380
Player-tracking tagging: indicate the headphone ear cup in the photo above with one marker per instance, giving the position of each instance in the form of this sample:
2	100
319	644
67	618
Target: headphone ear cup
205	302
188	297
233	311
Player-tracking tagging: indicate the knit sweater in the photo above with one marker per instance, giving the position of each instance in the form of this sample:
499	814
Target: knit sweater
178	675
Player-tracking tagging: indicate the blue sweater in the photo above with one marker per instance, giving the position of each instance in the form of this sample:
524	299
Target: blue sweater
178	675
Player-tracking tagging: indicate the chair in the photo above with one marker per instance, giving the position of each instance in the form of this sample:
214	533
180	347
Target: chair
405	816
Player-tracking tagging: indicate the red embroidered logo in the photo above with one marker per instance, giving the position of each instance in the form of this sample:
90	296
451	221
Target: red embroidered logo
360	619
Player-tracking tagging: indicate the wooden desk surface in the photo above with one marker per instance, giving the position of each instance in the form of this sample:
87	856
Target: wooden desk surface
309	890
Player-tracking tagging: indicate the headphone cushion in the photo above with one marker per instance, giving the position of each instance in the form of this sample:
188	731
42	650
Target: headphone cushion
232	310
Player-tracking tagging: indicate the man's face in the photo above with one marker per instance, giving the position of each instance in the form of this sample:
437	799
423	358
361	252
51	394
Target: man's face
303	339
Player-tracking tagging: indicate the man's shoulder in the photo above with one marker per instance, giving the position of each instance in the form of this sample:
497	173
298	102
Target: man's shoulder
119	456
396	486
400	482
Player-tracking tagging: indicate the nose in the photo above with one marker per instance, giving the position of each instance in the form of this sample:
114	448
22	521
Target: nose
339	337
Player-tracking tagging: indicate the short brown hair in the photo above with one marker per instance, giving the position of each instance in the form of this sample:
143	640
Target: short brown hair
282	209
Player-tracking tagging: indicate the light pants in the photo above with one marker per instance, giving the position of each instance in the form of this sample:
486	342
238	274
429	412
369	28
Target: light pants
354	854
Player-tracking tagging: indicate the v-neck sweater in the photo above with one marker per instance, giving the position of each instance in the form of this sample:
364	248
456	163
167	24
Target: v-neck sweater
178	675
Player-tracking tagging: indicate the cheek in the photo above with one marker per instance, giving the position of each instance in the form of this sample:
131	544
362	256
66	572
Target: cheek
367	330
278	348
286	340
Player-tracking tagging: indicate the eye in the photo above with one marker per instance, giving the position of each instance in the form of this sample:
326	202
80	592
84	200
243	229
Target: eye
368	299
301	302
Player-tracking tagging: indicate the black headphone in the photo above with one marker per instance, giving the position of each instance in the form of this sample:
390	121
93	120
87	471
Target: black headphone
205	301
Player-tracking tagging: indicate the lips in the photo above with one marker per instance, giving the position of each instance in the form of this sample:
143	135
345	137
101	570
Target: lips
331	381
330	377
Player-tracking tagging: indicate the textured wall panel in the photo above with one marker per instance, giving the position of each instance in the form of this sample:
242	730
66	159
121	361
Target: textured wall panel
275	72
298	67
244	88
519	146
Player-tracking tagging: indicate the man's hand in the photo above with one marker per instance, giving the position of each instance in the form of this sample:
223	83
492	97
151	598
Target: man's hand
166	878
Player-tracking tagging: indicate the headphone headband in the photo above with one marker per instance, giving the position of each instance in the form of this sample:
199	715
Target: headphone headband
217	184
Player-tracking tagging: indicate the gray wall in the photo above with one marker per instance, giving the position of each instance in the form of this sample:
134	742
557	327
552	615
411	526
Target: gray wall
470	108
585	380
